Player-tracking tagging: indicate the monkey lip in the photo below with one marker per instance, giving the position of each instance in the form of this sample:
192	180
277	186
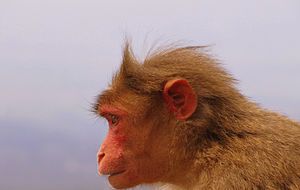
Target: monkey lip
110	174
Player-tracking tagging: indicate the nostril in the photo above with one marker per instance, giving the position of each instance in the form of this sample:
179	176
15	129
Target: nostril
100	156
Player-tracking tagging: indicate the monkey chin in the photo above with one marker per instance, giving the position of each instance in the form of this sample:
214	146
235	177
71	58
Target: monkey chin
121	180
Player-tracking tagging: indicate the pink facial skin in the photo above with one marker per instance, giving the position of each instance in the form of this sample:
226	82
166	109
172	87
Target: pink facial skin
115	157
110	156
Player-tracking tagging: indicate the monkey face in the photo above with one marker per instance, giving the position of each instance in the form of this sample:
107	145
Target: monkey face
129	154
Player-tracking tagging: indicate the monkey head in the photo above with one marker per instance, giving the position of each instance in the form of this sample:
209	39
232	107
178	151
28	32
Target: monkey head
138	147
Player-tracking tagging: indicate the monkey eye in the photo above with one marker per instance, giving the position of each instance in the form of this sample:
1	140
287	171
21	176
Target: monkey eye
112	119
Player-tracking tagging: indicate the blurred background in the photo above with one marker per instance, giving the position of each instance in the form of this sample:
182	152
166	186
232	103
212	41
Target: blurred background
57	55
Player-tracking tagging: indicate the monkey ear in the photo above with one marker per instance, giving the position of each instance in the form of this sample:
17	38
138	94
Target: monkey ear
180	98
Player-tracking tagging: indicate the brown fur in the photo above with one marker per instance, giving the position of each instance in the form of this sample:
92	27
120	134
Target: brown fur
228	143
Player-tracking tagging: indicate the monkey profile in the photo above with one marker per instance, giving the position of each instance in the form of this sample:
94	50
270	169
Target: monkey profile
177	119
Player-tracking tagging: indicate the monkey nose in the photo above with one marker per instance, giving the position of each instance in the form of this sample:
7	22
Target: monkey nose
100	156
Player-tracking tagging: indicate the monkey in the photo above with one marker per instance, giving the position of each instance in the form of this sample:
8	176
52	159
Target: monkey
177	118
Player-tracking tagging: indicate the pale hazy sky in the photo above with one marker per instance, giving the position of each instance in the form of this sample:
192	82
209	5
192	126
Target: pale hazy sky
55	56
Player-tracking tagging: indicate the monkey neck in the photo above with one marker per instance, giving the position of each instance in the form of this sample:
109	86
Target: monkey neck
218	123
227	116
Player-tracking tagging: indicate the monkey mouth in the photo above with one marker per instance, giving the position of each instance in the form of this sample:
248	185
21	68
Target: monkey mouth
116	173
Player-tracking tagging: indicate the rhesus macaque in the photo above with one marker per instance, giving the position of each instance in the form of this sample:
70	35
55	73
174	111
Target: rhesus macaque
178	119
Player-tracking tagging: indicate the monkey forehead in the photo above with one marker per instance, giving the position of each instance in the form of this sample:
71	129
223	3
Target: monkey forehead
121	100
119	94
109	96
113	109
